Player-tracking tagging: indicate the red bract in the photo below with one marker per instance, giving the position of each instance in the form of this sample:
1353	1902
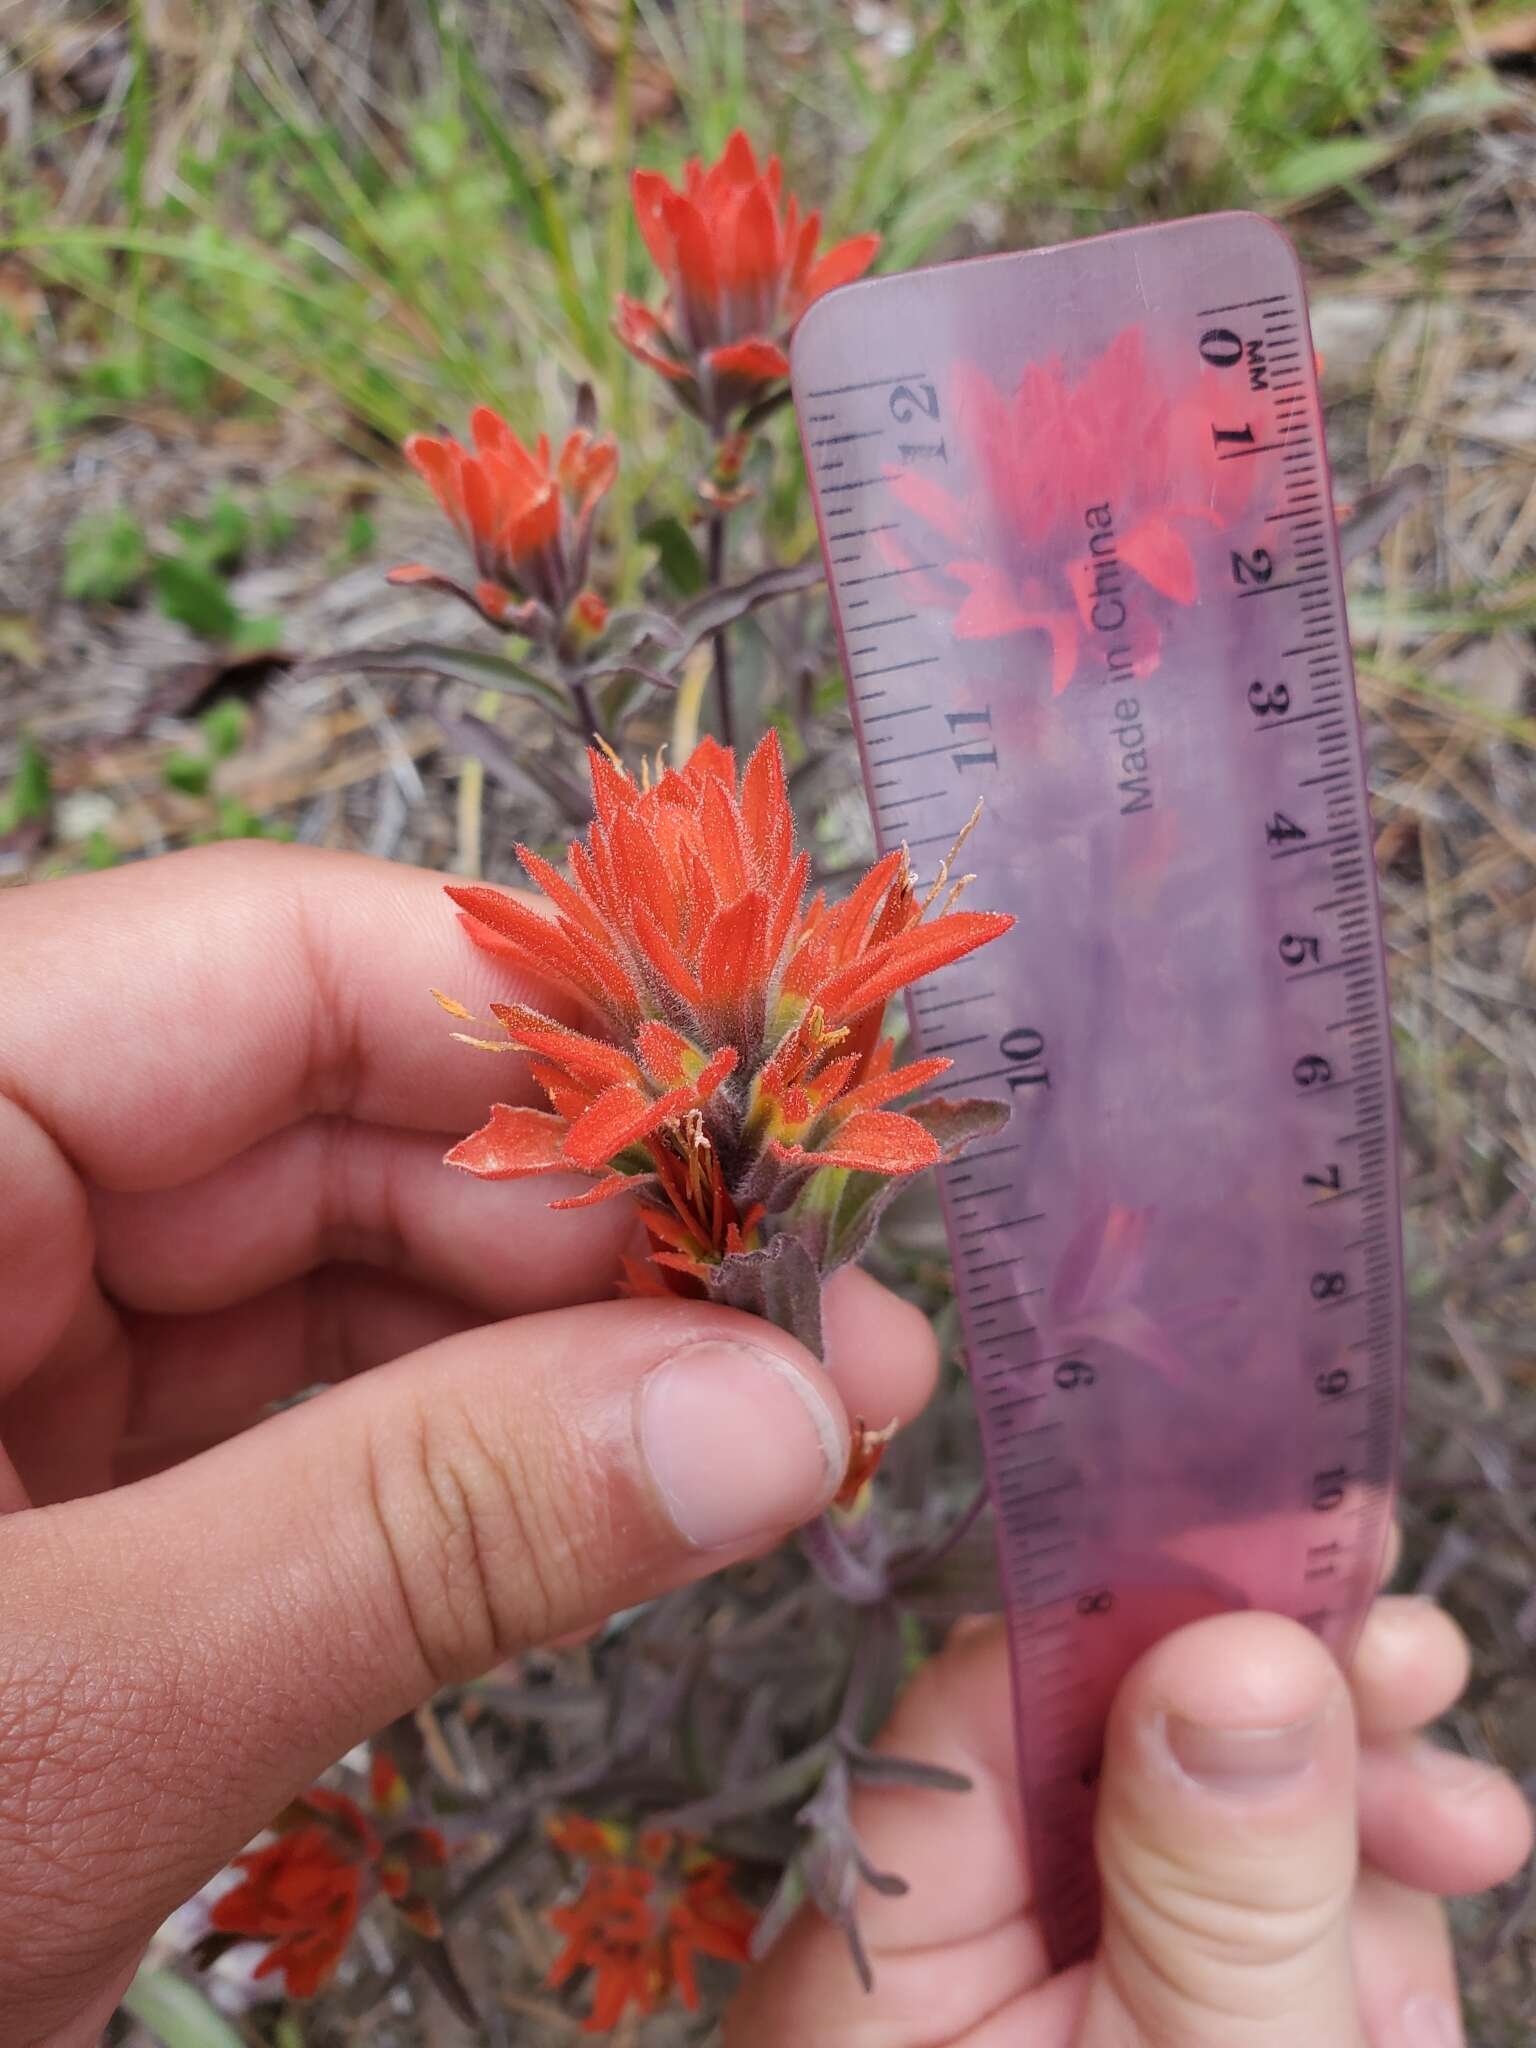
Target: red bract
738	1078
740	263
642	1916
526	520
302	1894
1097	482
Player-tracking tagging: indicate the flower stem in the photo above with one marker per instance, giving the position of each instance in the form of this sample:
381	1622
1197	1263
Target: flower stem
725	703
850	1577
935	1552
581	696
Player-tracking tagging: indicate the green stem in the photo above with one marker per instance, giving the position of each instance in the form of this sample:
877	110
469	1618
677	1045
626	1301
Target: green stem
725	704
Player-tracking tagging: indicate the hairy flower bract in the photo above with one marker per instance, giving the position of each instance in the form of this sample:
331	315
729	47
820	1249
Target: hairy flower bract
525	517
740	262
736	1079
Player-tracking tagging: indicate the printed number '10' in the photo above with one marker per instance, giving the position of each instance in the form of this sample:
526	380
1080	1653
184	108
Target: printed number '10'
1024	1048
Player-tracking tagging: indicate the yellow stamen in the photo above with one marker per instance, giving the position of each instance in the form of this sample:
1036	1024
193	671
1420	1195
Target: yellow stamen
949	859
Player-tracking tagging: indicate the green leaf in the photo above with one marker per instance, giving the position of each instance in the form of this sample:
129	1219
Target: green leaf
98	851
27	795
195	596
235	820
1322	165
219	538
677	555
177	2013
358	536
190	773
255	636
225	726
105	557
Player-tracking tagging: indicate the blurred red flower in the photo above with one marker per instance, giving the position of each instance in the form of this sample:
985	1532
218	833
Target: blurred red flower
1022	540
740	263
302	1894
644	1913
526	520
740	1061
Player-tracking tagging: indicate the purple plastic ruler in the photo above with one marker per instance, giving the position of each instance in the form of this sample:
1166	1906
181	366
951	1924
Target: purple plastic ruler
1076	514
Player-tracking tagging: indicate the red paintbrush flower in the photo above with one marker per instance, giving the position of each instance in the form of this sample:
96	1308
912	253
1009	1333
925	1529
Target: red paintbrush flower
740	263
304	1891
526	519
645	1911
739	1085
1083	488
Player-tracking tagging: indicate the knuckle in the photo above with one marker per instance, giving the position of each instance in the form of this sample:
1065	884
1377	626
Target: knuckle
1218	1942
483	1557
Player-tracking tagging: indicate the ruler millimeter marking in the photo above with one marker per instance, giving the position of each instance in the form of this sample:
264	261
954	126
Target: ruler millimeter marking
1077	519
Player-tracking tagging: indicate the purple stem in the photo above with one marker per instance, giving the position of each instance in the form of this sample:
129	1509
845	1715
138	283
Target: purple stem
850	1577
923	1560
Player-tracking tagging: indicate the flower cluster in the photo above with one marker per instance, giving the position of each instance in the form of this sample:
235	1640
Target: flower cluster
741	264
738	1082
526	520
647	1907
303	1892
739	258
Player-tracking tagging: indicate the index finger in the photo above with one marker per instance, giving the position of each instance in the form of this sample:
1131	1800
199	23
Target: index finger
163	1017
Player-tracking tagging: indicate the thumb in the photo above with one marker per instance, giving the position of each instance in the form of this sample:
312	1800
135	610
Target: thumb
178	1657
1227	1845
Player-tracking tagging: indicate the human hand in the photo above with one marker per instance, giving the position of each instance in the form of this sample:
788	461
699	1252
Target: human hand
1262	1889
224	1099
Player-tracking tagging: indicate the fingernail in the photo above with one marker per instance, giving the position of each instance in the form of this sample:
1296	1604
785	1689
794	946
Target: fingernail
1241	1759
1428	2022
738	1443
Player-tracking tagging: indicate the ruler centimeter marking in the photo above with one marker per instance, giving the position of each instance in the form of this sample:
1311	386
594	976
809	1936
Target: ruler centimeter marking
1062	1408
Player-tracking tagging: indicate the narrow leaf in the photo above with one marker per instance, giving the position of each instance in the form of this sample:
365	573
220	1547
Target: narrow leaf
177	2013
719	608
874	1767
439	658
960	1123
781	1284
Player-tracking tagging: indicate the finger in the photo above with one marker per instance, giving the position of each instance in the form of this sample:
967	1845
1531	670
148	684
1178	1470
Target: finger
959	1944
1411	1663
1226	1840
1440	1821
241	988
329	1189
313	1578
199	1378
881	1351
1404	1973
238	989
